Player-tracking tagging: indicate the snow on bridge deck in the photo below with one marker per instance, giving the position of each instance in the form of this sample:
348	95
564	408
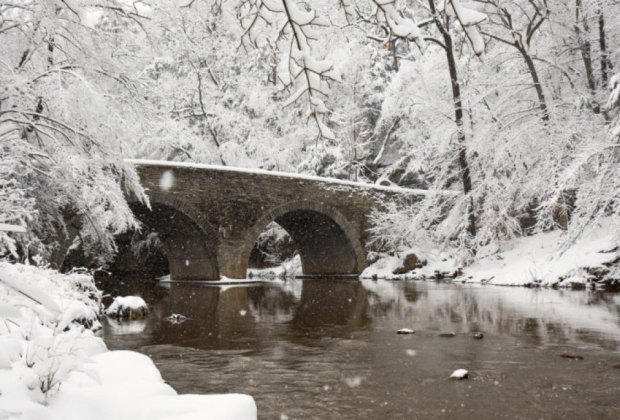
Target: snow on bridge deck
290	175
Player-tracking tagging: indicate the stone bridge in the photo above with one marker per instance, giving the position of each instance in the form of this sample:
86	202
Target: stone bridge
209	217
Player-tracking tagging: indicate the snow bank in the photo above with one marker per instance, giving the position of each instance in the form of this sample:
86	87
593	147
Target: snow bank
53	367
536	260
124	385
288	269
386	266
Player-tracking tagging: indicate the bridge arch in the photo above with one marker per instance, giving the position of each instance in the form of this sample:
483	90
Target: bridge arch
327	241
189	242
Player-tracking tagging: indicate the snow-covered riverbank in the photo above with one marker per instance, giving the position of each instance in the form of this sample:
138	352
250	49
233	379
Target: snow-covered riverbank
538	260
53	366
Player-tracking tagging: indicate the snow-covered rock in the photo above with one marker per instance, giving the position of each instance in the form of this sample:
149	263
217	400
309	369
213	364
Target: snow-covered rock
128	307
459	374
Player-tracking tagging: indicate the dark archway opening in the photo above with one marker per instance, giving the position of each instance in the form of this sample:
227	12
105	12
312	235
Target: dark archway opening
323	246
140	253
273	247
169	233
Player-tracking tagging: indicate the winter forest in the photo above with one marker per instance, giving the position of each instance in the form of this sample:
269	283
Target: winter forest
512	104
506	114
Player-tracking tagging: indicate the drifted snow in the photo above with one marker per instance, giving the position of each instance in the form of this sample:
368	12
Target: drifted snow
42	313
124	385
538	259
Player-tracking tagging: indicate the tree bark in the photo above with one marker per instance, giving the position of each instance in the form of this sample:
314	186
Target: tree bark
603	47
542	102
586	54
458	117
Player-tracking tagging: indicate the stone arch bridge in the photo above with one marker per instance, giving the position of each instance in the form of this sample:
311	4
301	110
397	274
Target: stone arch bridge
209	217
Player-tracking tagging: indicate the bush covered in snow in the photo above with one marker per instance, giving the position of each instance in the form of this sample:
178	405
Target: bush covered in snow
46	331
53	367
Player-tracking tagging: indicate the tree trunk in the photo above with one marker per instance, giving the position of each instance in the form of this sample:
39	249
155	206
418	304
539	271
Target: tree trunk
458	115
586	54
542	102
603	47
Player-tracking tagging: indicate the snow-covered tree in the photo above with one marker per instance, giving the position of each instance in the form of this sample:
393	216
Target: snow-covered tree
67	105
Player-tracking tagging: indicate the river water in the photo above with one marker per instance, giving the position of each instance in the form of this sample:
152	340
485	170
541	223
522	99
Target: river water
328	349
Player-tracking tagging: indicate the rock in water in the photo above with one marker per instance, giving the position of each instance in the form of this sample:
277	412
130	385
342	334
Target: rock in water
405	331
478	336
459	374
127	307
571	356
447	335
177	318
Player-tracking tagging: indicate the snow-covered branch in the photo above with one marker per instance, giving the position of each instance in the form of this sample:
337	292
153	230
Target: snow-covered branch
306	74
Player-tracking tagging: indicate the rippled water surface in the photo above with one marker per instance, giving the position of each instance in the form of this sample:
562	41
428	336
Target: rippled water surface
328	349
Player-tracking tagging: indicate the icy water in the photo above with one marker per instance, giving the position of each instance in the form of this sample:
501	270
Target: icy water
319	349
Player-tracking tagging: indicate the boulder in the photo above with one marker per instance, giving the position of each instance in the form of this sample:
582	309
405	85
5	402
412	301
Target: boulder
410	262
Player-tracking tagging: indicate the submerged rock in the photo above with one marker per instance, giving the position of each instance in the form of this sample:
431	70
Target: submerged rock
176	318
127	307
460	374
447	334
571	356
478	336
405	331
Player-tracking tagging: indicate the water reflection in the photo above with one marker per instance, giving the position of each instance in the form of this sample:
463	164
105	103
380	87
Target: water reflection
217	317
317	349
324	306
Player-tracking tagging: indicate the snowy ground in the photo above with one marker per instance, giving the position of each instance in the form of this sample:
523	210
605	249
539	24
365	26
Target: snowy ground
53	366
288	269
537	260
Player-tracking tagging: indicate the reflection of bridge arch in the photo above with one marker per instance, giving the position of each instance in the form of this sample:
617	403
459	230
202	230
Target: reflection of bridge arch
327	241
189	243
